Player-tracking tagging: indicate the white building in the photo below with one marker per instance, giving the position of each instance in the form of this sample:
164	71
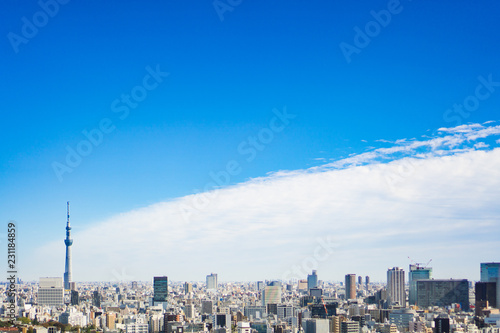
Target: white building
51	291
244	327
137	328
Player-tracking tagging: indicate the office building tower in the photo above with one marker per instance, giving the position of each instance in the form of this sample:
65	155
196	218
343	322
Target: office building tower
75	298
96	298
51	291
349	327
302	285
350	286
260	285
443	293
367	281
271	294
396	294
134	285
160	289
212	281
490	271
312	280
417	273
68	241
486	296
188	288
360	281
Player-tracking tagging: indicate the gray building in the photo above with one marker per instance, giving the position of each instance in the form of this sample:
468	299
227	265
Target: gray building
212	281
254	311
312	280
443	293
316	325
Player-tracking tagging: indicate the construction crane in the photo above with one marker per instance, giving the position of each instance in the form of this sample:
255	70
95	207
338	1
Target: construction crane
419	264
324	305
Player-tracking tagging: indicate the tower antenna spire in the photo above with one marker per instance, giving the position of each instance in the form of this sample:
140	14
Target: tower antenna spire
68	241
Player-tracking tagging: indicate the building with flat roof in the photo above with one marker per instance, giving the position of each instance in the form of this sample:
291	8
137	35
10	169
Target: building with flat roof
396	294
51	291
443	293
417	273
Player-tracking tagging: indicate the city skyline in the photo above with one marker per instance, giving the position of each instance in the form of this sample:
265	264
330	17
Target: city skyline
261	142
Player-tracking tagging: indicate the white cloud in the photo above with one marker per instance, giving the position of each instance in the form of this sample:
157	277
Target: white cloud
431	199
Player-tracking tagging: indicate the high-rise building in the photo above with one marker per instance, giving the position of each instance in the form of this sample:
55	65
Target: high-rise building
490	271
367	281
443	293
486	296
271	295
350	286
68	241
75	298
96	298
360	281
417	273
51	291
212	281
160	289
312	280
188	288
396	286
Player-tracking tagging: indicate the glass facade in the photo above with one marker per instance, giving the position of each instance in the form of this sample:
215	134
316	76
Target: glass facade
160	286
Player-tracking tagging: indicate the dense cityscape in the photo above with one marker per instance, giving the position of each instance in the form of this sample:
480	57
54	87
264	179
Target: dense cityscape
310	305
421	304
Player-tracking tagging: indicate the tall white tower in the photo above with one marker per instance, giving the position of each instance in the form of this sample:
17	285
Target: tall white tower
68	241
396	286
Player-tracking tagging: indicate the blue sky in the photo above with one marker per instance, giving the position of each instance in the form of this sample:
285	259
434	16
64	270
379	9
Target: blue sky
227	80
